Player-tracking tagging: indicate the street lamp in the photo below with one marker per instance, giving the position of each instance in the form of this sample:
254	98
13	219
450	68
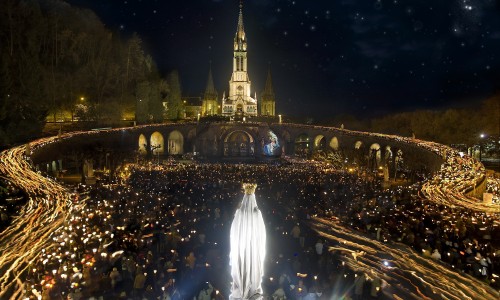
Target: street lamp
482	136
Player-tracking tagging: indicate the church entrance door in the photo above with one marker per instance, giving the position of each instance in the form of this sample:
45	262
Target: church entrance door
239	108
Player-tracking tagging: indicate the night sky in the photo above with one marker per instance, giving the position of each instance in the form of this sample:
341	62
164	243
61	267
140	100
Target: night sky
365	58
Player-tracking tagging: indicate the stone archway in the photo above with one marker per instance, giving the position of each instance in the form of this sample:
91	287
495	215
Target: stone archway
157	143
388	155
143	144
239	143
358	154
334	143
375	156
302	144
319	142
175	143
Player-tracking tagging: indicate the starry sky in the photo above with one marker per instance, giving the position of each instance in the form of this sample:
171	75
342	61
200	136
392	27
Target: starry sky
366	58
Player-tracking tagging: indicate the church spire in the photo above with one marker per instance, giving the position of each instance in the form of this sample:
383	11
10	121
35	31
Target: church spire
267	98
210	90
240	43
241	29
210	103
268	89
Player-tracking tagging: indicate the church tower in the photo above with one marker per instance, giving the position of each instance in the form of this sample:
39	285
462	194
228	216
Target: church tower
267	99
239	100
210	98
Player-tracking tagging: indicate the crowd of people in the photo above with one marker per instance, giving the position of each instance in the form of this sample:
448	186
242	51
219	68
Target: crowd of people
493	187
163	233
11	199
459	173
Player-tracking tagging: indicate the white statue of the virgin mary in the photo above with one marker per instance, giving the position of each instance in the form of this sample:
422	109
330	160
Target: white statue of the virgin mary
248	248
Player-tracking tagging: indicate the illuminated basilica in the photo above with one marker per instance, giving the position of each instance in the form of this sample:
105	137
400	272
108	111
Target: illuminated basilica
239	101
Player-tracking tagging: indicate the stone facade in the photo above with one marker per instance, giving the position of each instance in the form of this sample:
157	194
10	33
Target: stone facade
239	101
267	99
